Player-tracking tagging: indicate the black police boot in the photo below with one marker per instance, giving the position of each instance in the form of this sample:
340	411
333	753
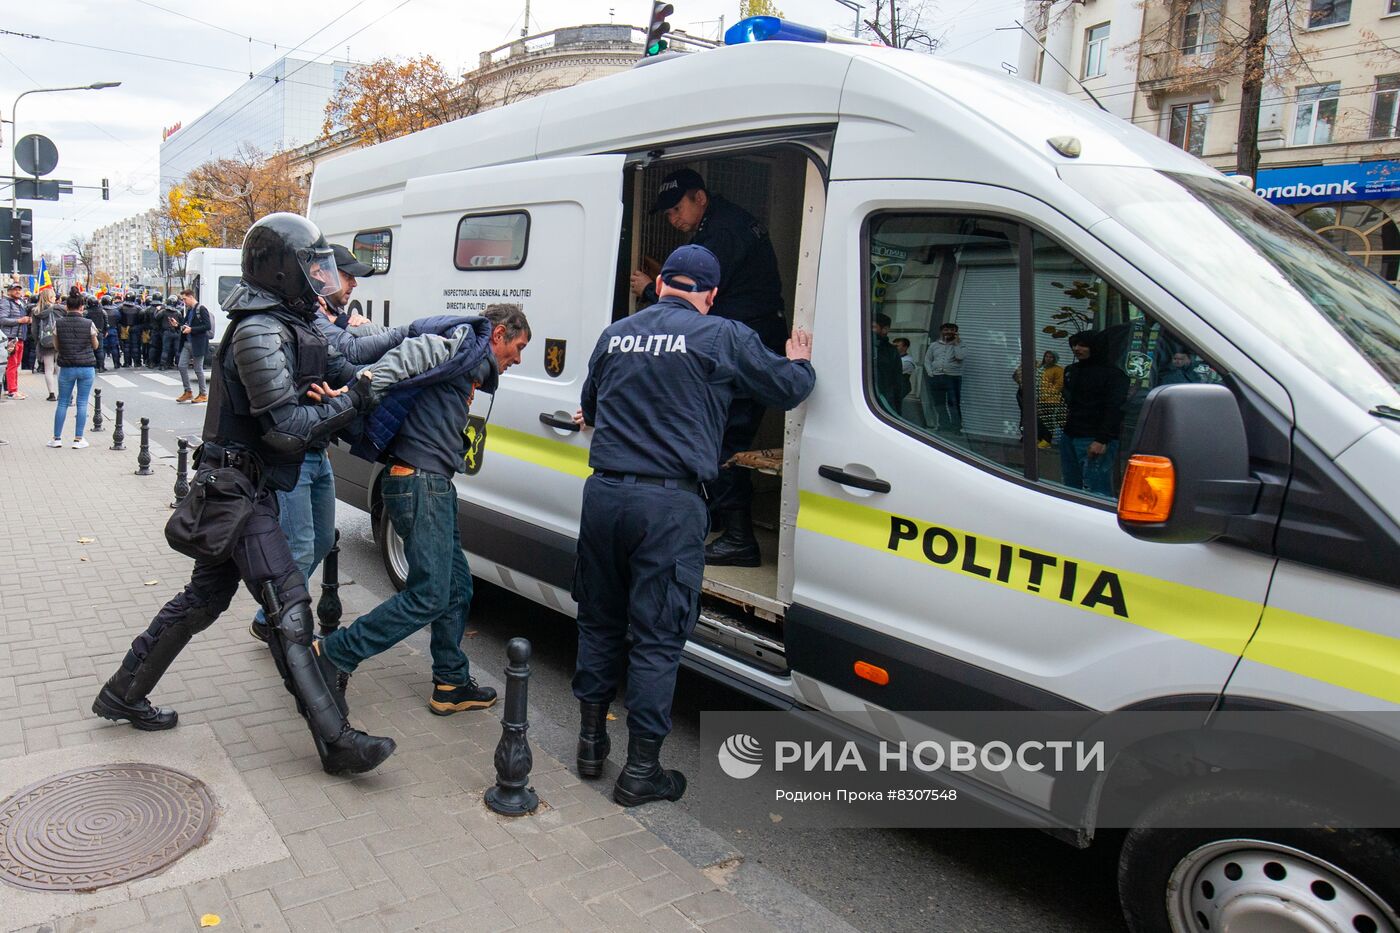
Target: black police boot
643	779
335	678
353	752
736	546
593	742
260	630
111	704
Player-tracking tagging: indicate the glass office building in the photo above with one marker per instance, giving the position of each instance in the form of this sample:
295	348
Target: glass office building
280	108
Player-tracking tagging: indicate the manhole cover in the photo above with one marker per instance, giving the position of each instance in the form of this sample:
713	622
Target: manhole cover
97	827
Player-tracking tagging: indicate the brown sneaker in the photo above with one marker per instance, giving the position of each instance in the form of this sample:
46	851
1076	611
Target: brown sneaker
201	397
185	396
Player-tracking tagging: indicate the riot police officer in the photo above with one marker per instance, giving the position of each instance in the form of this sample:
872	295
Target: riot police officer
270	402
131	328
751	292
98	316
658	390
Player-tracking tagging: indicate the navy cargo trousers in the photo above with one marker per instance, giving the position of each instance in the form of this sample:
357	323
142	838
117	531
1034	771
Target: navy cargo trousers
641	560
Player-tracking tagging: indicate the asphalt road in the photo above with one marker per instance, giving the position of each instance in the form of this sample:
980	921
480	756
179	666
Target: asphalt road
875	879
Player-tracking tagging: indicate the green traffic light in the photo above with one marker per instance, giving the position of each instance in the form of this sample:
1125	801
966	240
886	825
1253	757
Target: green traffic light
656	48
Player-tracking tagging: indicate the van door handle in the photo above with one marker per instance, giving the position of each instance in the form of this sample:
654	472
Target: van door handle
838	475
554	421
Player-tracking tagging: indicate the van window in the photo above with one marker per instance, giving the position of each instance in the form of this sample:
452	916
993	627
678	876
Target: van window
227	283
492	241
373	247
944	316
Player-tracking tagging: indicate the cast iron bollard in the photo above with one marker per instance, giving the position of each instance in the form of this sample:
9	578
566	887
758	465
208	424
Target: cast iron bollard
511	796
143	456
328	608
118	435
182	471
97	409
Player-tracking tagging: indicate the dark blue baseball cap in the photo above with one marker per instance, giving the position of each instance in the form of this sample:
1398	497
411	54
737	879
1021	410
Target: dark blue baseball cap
694	262
676	186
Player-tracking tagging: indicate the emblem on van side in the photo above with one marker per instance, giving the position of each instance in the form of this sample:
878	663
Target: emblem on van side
475	434
554	356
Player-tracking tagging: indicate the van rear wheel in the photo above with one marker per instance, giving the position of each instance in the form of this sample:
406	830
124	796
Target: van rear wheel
391	549
1175	880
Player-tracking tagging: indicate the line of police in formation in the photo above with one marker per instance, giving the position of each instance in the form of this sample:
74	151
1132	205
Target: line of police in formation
295	372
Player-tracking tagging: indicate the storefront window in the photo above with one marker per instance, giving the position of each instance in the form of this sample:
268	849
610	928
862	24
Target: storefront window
1362	231
1317	112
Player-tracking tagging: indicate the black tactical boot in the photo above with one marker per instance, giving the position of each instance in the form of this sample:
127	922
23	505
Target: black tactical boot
593	742
643	779
353	752
335	678
260	630
736	546
110	704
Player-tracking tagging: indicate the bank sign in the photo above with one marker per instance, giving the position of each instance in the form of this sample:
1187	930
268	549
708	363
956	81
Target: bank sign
1355	181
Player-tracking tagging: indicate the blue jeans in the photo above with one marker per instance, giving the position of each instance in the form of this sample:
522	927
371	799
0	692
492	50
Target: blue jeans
307	515
70	377
423	510
1081	471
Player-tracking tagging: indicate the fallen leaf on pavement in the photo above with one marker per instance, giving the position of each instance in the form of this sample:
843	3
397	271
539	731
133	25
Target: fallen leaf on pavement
210	920
775	818
612	718
86	540
152	582
84	557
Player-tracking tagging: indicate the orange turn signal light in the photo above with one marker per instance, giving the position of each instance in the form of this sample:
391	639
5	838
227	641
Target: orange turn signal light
868	671
1149	486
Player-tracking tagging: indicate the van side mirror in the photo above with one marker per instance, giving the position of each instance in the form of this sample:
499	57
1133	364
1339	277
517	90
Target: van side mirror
1189	468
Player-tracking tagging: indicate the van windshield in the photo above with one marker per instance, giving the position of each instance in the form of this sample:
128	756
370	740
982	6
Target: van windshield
1333	315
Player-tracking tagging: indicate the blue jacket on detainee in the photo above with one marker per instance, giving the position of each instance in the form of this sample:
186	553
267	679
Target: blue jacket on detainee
422	419
660	383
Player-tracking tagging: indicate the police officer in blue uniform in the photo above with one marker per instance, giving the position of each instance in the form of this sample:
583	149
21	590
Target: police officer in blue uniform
659	388
751	291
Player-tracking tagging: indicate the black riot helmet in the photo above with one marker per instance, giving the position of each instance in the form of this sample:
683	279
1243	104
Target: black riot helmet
286	257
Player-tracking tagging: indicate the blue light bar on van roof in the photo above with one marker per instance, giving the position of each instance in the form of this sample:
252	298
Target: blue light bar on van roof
771	29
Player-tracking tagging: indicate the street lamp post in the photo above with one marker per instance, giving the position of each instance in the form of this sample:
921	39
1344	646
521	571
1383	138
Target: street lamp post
14	125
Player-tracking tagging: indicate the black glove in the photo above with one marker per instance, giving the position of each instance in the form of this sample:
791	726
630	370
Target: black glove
359	393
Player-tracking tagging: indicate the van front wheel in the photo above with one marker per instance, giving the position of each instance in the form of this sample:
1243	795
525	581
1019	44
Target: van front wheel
391	549
1175	880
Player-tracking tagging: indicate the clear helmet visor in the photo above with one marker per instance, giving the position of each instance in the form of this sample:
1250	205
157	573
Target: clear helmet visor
319	267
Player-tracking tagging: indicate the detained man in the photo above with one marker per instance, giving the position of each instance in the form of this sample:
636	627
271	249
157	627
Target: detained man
428	447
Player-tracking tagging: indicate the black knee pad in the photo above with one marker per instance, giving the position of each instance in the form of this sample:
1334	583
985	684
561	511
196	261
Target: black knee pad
295	622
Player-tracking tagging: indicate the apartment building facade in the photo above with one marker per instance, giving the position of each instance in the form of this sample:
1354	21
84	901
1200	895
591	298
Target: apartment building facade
124	250
1329	122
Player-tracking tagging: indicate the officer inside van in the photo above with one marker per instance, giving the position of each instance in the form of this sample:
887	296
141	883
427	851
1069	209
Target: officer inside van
660	384
751	292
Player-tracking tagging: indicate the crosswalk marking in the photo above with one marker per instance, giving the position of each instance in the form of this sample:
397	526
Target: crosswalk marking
162	379
117	382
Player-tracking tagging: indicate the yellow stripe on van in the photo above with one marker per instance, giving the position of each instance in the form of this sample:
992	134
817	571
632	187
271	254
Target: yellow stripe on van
541	451
1214	620
1355	659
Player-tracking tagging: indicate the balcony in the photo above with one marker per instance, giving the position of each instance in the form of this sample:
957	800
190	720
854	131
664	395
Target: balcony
1170	72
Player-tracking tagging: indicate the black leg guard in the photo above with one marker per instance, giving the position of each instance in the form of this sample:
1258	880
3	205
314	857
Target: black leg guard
342	749
593	742
123	697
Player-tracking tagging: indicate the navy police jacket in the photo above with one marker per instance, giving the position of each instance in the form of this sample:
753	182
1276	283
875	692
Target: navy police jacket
660	383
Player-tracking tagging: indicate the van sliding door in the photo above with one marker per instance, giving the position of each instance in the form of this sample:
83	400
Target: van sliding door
543	235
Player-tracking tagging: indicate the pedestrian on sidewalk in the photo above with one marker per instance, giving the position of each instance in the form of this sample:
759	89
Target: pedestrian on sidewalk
195	332
270	381
98	316
427	449
75	343
14	325
307	511
41	327
660	418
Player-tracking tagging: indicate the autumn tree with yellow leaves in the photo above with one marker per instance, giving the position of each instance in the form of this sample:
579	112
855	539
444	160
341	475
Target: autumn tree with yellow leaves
236	191
180	226
387	98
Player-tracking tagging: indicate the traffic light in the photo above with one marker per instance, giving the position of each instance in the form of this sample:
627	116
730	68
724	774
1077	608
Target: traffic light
658	28
22	241
106	190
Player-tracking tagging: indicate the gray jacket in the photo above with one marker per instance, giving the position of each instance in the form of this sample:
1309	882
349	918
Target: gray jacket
363	344
413	356
10	313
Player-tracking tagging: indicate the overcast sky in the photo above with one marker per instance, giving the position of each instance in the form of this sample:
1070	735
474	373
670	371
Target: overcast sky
116	133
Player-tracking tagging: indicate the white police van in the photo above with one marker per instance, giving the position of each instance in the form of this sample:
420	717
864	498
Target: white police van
212	273
920	557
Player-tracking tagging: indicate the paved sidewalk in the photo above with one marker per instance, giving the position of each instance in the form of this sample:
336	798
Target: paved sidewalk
410	846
